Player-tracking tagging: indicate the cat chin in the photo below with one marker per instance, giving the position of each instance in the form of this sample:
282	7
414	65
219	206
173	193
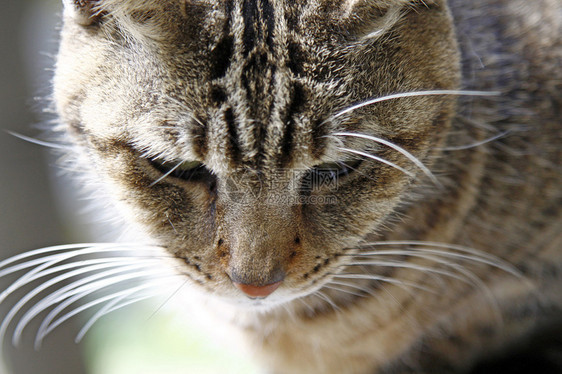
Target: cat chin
258	305
281	300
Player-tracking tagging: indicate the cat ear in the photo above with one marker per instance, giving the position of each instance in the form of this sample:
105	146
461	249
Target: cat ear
372	19
84	12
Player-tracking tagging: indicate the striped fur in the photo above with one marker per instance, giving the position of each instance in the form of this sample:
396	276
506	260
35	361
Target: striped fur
444	244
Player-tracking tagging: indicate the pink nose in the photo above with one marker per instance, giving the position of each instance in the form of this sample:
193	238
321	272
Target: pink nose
257	291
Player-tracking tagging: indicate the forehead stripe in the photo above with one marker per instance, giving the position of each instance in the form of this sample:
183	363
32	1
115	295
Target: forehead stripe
259	22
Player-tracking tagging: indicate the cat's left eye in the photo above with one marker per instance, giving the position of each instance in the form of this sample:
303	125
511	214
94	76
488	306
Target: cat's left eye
337	169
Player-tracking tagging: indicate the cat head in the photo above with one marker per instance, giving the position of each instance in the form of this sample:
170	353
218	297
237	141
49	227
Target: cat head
256	140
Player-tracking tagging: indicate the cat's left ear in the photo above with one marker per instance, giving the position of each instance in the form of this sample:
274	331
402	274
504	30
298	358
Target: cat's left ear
83	12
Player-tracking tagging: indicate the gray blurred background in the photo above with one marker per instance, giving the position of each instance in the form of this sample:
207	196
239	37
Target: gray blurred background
28	216
39	209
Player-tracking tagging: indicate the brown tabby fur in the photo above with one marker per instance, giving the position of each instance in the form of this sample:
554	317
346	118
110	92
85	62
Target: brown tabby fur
250	88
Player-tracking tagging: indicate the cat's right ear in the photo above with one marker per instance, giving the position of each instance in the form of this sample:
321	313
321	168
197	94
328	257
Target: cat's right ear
83	12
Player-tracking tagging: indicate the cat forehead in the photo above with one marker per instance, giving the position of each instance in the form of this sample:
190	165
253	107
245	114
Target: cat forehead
247	82
199	12
136	5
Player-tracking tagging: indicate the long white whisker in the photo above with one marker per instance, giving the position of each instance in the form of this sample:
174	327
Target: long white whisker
93	246
67	291
469	277
307	305
42	143
169	298
413	94
397	282
397	148
351	285
339	289
431	245
379	159
492	300
21	303
45	270
110	308
325	297
46	326
402	265
167	174
50	261
413	251
477	144
76	250
100	313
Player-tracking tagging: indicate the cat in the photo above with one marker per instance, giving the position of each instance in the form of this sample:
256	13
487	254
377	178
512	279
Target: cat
356	186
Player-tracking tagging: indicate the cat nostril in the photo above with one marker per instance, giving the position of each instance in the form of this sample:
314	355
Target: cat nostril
257	291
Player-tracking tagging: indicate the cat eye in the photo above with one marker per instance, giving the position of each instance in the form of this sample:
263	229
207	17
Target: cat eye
191	171
327	174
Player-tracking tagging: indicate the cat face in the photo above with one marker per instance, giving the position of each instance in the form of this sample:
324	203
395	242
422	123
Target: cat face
229	131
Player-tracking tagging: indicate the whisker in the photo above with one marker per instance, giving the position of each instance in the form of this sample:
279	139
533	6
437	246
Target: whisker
413	94
393	281
45	270
169	298
167	174
43	251
78	249
402	265
477	144
47	301
63	293
355	169
481	285
307	305
339	289
325	297
498	262
107	308
351	285
414	251
397	148
42	271
41	143
170	222
110	308
379	159
47	325
47	328
469	277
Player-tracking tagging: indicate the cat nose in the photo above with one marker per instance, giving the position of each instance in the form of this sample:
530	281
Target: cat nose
257	291
257	284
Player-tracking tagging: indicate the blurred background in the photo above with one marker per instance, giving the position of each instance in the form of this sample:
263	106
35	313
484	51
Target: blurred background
28	216
37	210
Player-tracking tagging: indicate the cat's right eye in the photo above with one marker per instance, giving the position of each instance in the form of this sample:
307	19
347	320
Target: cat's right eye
190	171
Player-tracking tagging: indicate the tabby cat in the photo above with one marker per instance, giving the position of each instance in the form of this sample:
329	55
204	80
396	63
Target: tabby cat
356	186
